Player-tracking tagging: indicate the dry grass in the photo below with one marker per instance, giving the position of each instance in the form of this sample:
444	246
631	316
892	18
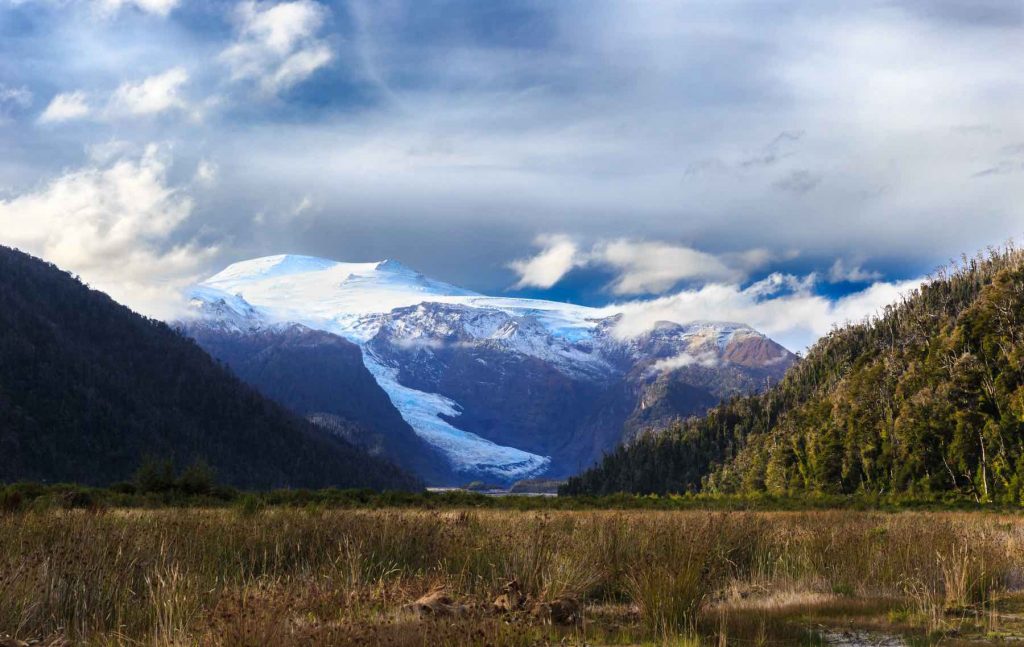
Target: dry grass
301	577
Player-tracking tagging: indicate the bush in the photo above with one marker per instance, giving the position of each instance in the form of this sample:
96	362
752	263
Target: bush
155	475
198	478
11	501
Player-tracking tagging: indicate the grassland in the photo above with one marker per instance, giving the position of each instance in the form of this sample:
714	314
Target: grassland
320	576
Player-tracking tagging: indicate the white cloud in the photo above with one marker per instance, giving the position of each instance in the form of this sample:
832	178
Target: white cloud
682	360
106	151
650	268
839	273
782	306
298	66
277	44
559	256
302	206
112	225
158	7
20	97
150	96
206	172
641	267
13	100
66	106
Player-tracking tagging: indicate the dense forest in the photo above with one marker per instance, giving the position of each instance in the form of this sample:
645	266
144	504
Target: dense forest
926	399
89	390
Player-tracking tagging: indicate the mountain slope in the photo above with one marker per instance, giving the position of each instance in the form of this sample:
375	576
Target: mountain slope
501	388
89	388
322	377
926	399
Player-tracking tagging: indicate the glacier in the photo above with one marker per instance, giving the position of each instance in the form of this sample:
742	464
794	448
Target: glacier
465	451
386	304
347	299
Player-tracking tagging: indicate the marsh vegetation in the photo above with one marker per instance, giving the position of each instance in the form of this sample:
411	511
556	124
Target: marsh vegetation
286	576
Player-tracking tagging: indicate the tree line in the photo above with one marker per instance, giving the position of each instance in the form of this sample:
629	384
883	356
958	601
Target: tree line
924	399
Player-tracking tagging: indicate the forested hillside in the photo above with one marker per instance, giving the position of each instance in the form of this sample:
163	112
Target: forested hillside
321	377
926	399
88	389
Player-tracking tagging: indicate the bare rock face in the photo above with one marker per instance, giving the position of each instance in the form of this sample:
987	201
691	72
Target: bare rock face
755	352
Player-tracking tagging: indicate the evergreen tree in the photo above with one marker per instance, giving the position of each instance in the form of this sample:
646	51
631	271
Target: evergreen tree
927	398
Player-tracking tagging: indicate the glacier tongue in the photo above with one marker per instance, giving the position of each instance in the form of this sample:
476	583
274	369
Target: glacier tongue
467	453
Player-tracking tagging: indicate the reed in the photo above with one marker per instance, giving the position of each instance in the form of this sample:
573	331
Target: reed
289	576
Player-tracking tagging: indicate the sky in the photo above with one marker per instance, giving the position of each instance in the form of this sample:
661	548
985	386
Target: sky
791	165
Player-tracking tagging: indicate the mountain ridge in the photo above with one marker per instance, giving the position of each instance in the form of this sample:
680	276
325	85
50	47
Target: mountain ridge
465	370
88	389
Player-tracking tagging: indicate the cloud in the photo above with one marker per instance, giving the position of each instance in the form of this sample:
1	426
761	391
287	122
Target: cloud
111	149
978	13
640	267
302	206
66	106
782	306
652	267
682	360
1012	162
13	100
776	150
158	7
744	163
658	122
20	97
839	273
152	95
206	172
1004	167
799	181
559	256
277	45
112	225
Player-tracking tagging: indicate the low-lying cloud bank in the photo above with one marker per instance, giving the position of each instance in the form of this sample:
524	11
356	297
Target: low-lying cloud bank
787	307
783	306
641	267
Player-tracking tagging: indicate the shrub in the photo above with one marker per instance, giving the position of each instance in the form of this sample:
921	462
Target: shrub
11	501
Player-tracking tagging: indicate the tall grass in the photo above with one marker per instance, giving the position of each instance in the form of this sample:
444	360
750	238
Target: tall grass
293	576
678	565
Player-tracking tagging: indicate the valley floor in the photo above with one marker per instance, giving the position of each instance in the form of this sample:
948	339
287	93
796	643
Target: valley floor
286	576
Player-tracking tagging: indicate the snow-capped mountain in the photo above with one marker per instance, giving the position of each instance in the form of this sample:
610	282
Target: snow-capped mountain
500	388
